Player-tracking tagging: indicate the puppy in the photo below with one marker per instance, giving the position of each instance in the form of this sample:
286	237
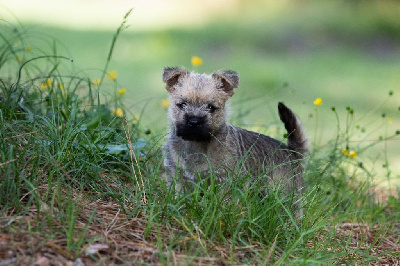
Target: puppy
201	140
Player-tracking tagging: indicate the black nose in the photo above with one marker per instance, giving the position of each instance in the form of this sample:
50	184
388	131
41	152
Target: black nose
195	121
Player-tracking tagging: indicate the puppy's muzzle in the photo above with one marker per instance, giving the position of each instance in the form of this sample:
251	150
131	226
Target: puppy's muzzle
195	121
194	128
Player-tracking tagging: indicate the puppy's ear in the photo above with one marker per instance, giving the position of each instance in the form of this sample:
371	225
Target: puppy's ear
171	76
229	80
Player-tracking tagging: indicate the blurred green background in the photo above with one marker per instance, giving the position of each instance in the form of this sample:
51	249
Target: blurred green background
346	52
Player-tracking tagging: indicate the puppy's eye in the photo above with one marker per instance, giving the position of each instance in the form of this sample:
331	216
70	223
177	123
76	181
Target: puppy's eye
181	105
211	108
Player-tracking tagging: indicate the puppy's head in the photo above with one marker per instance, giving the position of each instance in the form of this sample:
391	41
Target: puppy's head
197	101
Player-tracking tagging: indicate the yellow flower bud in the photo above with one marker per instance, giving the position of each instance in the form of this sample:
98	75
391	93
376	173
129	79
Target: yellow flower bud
119	112
318	101
165	103
112	75
96	81
121	91
197	61
353	154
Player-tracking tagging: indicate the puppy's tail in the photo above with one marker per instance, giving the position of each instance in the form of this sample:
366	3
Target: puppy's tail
297	140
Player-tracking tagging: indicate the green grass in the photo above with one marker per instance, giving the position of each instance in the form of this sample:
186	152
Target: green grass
74	174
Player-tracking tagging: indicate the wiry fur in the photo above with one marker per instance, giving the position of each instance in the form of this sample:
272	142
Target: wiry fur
201	139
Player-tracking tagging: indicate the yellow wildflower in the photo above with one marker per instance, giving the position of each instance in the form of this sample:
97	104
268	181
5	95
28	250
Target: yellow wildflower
318	101
121	91
28	48
48	82
19	59
119	112
63	92
43	85
390	120
112	75
135	119
353	154
96	81
196	61
165	103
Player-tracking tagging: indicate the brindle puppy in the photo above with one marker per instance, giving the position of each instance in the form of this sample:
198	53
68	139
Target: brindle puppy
201	139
